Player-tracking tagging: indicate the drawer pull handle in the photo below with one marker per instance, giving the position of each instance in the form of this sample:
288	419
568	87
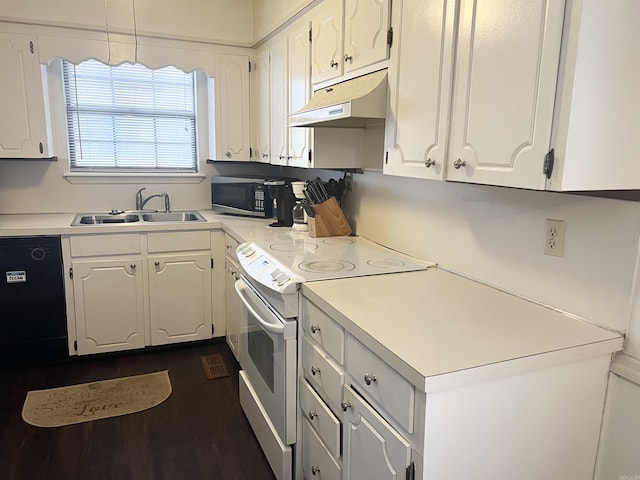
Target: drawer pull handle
315	328
369	379
312	414
315	370
345	405
315	469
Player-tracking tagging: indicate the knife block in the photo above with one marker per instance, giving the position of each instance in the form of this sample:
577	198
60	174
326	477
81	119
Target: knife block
329	220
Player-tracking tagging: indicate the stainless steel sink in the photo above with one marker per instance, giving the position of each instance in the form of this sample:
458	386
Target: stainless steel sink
99	219
190	216
135	217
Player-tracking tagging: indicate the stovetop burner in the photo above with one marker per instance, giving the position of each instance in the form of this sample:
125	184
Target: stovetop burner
386	263
326	266
338	241
288	246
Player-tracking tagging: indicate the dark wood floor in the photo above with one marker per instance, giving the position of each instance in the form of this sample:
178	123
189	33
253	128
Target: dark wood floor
199	432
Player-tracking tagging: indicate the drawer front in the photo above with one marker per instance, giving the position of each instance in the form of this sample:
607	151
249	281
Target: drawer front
106	244
179	241
379	382
321	328
324	422
323	374
316	459
230	245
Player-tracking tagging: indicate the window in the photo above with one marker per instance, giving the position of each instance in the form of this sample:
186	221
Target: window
130	118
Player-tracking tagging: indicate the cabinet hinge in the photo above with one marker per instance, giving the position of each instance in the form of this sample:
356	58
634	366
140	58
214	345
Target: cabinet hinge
386	158
213	328
75	345
31	48
212	263
548	163
310	37
71	272
390	37
309	155
411	472
249	66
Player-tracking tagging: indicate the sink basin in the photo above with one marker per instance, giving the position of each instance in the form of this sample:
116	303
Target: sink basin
137	217
190	216
91	219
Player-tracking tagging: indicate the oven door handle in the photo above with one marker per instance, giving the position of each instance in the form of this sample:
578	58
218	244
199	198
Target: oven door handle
241	288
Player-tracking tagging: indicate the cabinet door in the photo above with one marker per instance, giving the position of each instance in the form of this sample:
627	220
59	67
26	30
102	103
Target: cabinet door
299	93
109	304
326	46
366	23
263	105
233	308
504	92
420	72
372	448
278	83
233	121
180	298
23	132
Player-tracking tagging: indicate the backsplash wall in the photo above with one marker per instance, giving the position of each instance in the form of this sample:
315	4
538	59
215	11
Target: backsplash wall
496	235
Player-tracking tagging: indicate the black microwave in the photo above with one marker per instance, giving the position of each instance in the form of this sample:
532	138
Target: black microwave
240	195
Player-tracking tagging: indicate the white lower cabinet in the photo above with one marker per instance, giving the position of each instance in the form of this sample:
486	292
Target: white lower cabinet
109	304
317	462
127	291
179	298
372	448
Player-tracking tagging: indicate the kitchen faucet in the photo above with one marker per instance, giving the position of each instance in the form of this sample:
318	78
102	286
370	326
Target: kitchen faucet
140	202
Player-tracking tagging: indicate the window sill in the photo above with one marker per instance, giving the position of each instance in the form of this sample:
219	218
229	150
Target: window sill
114	178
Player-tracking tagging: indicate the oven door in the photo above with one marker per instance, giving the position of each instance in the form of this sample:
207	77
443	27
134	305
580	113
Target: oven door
268	358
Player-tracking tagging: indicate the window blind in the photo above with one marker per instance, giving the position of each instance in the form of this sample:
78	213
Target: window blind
130	117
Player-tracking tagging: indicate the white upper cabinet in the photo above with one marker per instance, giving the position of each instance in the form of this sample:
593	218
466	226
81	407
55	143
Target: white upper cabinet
263	106
24	132
420	69
232	105
299	93
348	35
326	51
366	25
504	91
278	87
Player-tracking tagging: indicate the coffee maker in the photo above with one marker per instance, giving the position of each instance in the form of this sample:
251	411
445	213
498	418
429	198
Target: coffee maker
284	200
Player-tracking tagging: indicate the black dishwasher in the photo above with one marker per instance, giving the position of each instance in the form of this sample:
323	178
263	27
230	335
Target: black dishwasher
33	319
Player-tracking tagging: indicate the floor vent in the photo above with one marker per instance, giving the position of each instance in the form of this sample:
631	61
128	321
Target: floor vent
214	366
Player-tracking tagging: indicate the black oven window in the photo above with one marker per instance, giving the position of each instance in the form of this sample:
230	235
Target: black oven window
261	349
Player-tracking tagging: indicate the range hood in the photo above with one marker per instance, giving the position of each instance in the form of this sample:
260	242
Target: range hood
353	103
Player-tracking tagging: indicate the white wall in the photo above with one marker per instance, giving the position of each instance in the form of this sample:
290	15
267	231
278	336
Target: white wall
219	21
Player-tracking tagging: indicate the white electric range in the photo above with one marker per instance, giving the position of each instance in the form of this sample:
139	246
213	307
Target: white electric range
268	288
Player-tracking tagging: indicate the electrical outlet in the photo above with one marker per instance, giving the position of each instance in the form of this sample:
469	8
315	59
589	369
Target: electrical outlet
554	237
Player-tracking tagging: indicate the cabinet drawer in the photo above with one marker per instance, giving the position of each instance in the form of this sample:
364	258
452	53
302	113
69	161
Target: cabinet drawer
106	244
379	382
328	377
179	241
320	417
321	328
230	246
316	459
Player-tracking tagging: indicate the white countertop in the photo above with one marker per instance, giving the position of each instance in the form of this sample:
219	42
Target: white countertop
440	330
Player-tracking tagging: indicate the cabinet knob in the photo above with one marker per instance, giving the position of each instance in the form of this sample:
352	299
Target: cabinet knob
281	157
315	328
459	163
156	263
312	414
348	58
265	155
315	370
133	267
429	163
314	469
228	154
334	64
345	405
369	379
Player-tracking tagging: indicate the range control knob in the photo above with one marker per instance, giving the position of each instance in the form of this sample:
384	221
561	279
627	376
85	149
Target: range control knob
276	273
282	279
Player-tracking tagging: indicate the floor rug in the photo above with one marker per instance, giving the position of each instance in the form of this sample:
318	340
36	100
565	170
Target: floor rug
92	401
214	366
